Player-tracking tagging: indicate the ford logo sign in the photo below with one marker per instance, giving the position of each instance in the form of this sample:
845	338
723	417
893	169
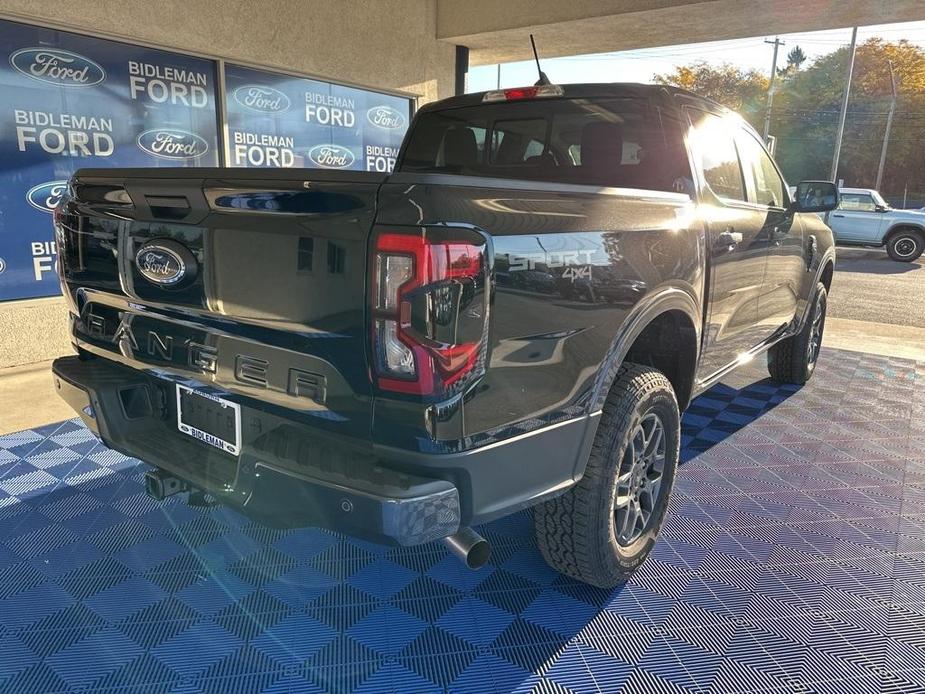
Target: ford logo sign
57	66
262	99
168	143
46	196
331	156
165	262
385	117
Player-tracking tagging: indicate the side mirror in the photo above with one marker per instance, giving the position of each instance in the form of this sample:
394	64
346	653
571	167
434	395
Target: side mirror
815	196
880	208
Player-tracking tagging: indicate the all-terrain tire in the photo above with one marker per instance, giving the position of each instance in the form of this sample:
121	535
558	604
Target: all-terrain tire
906	245
794	360
576	532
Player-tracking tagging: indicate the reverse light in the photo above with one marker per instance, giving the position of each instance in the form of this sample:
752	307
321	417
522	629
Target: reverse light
520	93
429	309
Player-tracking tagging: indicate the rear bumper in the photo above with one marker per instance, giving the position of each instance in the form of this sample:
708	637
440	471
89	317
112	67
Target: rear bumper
289	474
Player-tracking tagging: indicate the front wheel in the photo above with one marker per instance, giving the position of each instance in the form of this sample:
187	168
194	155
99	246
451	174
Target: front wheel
794	360
606	525
905	246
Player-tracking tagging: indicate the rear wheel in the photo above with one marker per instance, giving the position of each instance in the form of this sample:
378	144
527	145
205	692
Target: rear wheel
794	360
606	525
905	245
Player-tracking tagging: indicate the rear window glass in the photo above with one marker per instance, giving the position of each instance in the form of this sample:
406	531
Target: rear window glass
626	143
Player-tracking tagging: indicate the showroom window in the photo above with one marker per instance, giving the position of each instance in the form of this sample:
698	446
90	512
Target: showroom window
126	106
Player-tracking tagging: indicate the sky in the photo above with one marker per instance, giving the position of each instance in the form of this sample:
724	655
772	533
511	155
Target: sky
641	65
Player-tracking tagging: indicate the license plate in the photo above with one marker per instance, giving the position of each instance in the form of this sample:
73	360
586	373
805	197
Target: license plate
210	419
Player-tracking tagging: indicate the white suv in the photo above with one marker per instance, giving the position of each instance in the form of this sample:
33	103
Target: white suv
863	218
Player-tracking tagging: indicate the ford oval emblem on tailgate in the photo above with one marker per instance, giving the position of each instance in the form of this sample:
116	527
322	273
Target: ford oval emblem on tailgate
165	262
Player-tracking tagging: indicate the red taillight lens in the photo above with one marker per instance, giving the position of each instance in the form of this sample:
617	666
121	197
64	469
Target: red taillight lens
520	93
429	309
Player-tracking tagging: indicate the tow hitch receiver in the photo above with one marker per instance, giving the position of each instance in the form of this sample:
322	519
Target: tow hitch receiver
160	484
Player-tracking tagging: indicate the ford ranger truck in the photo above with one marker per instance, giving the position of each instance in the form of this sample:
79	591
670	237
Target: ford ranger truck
514	318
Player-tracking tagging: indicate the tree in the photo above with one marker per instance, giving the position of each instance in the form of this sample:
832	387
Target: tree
744	91
807	104
795	59
806	119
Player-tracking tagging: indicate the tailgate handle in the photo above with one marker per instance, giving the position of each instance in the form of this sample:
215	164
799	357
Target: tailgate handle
167	201
168	206
177	199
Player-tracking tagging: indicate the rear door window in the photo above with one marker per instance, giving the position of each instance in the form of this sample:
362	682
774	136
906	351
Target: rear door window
616	142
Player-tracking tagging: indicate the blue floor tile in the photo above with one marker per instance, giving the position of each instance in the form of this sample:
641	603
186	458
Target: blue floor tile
793	560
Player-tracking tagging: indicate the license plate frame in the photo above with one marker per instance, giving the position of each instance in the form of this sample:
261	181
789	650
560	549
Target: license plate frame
185	427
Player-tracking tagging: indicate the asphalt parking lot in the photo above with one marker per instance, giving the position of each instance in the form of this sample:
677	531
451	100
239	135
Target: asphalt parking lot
869	286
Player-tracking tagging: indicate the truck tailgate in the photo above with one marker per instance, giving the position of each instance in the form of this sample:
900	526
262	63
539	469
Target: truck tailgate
251	281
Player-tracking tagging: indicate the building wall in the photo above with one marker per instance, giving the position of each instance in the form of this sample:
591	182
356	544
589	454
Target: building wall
376	43
387	44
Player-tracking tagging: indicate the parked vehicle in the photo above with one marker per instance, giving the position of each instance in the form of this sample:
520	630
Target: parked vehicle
863	218
335	348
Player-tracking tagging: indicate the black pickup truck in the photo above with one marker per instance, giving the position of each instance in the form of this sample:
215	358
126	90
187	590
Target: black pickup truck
514	318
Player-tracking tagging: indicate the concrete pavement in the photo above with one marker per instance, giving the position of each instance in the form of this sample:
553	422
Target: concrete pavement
28	398
885	339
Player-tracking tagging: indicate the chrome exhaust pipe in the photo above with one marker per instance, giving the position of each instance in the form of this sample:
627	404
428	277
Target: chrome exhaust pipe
471	548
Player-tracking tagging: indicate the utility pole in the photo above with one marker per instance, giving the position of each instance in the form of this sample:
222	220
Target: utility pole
889	125
844	104
499	76
777	43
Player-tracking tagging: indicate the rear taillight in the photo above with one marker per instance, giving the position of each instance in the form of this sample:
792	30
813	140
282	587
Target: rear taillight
429	310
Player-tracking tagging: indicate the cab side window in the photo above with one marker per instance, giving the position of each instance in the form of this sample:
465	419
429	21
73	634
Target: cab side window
767	185
716	155
858	202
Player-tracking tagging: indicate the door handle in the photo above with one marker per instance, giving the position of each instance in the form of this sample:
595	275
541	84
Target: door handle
838	215
729	238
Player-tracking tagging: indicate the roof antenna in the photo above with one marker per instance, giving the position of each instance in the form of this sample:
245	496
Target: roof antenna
543	80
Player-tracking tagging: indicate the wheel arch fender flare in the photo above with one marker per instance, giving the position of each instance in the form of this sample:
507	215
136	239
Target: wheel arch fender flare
897	227
670	298
827	258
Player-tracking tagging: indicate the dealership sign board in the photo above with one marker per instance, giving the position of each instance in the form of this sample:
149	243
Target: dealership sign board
69	101
283	121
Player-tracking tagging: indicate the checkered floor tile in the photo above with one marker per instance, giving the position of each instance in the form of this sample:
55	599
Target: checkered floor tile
793	561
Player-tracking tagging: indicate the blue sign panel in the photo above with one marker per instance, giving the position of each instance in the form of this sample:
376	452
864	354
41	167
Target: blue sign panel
277	120
69	101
